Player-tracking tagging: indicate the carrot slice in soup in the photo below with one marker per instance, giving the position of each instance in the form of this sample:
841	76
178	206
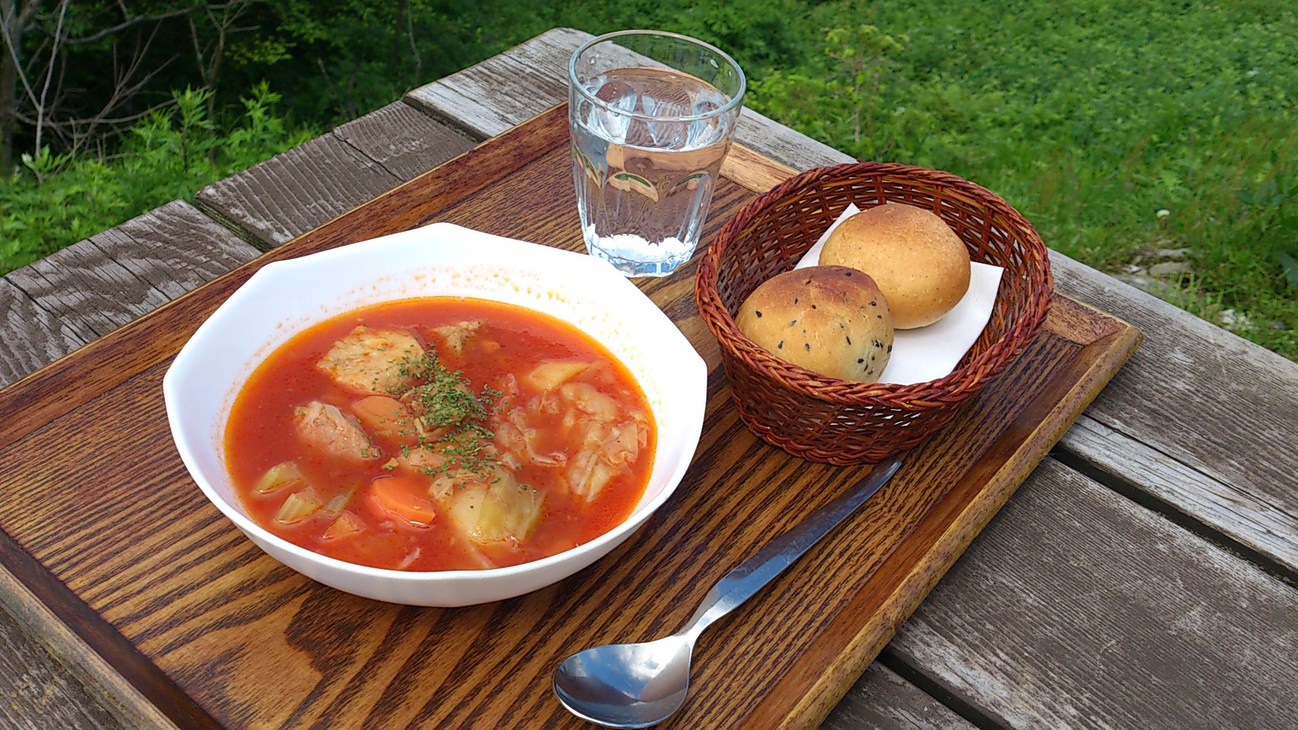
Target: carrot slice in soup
386	417
403	498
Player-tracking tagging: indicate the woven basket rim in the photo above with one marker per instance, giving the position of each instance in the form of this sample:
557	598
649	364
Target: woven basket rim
965	380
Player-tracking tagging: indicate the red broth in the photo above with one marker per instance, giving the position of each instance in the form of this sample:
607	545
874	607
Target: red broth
520	437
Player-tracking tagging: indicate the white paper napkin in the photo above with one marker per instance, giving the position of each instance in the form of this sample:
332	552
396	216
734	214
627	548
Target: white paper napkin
928	353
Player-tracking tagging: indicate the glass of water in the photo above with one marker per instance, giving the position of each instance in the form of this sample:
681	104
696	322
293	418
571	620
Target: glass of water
652	115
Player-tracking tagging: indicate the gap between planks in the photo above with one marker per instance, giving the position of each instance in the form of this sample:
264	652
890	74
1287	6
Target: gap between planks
1120	619
1251	529
958	705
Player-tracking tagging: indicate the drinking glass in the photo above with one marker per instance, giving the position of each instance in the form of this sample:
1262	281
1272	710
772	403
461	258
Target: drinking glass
652	114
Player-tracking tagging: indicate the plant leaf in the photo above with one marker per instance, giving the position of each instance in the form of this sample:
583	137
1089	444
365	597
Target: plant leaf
1289	265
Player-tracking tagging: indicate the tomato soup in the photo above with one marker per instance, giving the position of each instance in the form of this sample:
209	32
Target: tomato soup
440	434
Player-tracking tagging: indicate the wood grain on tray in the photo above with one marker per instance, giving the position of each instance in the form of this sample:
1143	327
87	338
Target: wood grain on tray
117	540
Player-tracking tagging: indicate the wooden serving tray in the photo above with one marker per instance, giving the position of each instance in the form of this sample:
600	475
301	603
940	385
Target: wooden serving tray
102	523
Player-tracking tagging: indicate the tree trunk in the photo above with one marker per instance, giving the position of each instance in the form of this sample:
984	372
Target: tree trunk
394	50
12	33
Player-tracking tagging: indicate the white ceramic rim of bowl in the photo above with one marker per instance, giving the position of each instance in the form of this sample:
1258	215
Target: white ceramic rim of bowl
689	372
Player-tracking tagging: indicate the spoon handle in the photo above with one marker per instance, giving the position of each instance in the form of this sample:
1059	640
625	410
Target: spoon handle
754	573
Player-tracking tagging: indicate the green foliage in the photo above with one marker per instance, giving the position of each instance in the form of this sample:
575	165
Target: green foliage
338	59
54	201
1090	117
1240	220
1289	265
760	34
838	97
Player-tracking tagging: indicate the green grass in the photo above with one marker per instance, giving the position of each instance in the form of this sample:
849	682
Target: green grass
1092	117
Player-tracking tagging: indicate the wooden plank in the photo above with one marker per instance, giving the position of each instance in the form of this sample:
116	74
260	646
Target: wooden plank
1081	609
30	336
38	694
175	248
1207	400
882	699
505	90
752	169
295	191
87	289
405	141
1249	520
150	599
50	678
303	188
785	145
100	284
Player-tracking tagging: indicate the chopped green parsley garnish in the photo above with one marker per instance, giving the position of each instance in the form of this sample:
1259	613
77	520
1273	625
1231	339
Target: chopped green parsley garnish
453	417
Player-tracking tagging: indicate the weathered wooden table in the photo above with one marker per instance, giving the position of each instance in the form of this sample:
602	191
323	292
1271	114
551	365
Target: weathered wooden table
1143	576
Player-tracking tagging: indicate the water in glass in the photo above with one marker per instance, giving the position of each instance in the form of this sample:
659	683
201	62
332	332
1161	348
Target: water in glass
645	165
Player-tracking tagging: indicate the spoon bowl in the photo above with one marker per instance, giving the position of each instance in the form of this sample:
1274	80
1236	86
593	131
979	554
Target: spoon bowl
627	685
638	685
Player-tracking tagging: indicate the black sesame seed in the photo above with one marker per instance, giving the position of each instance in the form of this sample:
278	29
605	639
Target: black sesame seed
758	312
847	273
780	346
792	322
807	345
849	339
813	306
860	360
795	300
889	348
873	303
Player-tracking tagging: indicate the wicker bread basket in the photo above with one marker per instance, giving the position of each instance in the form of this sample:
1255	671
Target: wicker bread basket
841	422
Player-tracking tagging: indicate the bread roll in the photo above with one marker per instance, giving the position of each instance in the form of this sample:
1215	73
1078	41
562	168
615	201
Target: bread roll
829	319
921	265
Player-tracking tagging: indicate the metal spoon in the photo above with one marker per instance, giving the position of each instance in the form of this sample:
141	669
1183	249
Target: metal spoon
638	685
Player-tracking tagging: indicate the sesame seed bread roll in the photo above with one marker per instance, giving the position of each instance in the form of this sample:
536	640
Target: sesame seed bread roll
919	263
829	319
